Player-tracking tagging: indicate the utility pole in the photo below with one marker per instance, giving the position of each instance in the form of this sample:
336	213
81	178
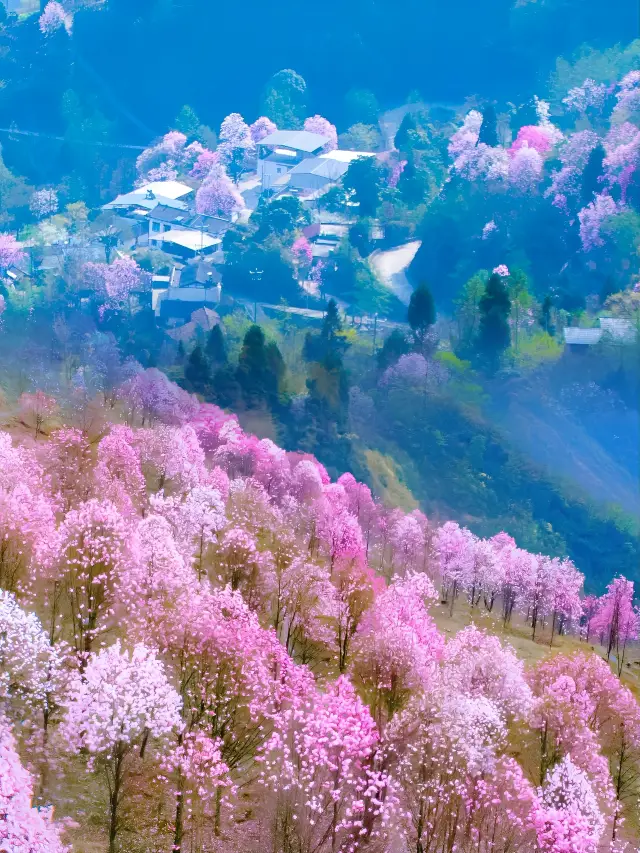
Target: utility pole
256	276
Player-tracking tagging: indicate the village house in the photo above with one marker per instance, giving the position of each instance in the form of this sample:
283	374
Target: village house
317	174
616	331
282	150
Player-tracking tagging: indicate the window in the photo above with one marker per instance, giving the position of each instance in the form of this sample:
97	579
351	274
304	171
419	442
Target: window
155	226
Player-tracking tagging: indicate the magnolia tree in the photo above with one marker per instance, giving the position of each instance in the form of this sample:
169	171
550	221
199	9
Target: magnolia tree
616	620
44	203
92	541
120	706
236	147
218	195
321	761
261	127
11	252
37	409
320	125
567	816
397	646
23	829
30	666
53	18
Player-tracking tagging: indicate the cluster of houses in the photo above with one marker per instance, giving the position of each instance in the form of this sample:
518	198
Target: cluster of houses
162	215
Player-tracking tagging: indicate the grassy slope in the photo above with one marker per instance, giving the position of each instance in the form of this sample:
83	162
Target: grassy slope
459	466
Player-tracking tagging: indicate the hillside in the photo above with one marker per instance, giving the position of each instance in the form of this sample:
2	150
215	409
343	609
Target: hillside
227	647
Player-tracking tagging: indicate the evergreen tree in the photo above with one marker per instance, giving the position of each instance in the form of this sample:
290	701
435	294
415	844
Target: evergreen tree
361	107
402	138
395	345
187	121
489	127
198	371
284	99
226	390
260	368
413	183
330	340
545	315
276	370
363	179
215	347
494	335
421	313
593	171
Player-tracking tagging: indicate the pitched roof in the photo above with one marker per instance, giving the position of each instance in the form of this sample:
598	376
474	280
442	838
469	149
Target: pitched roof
300	140
134	199
619	329
200	273
192	294
587	337
167	189
333	170
213	225
183	333
206	318
164	213
193	240
342	156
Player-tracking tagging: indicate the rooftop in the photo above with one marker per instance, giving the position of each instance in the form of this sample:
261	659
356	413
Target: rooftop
193	240
134	199
165	213
586	337
199	273
619	329
167	189
300	140
342	156
333	170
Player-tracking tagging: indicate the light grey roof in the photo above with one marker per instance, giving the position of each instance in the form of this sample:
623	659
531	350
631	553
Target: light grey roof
137	200
587	337
333	170
300	140
164	213
193	294
618	328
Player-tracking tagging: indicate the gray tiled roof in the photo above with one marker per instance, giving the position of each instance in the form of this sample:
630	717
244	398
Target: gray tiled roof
164	213
618	328
587	337
331	169
300	140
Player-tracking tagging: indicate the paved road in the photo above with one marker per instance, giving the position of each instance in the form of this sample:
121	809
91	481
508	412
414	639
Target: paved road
391	268
313	314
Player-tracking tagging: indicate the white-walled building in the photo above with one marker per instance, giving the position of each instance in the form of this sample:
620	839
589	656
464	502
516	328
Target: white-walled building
282	150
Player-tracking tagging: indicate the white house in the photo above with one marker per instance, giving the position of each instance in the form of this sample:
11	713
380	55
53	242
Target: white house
318	173
187	243
281	150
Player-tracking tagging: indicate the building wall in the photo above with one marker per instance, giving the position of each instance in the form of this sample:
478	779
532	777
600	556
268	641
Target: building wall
302	181
269	172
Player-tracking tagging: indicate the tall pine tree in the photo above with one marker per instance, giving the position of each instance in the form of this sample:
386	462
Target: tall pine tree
494	335
421	313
